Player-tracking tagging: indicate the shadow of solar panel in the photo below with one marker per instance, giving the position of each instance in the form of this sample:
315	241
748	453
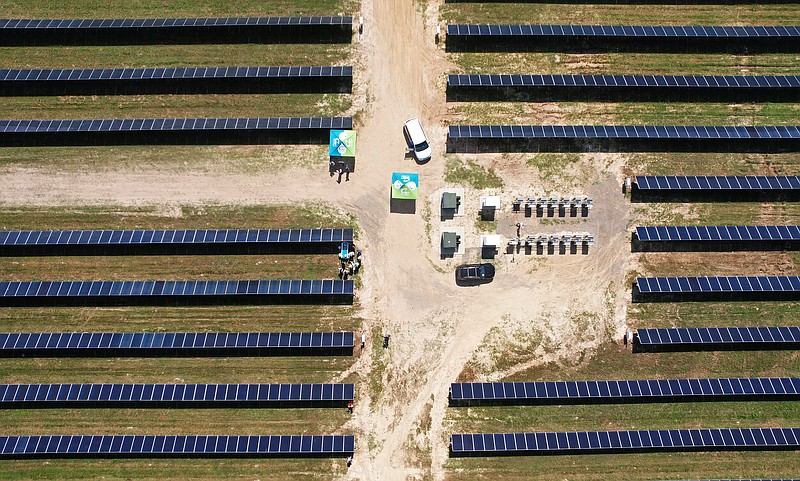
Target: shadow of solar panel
596	442
616	88
671	289
176	31
628	391
72	293
171	131
29	447
717	338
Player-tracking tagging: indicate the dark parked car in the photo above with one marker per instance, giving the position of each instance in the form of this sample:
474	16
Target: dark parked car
475	272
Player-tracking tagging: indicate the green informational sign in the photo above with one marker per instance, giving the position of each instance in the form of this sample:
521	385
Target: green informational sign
405	186
343	143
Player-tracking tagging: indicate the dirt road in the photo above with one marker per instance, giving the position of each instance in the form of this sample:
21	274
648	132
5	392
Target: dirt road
566	302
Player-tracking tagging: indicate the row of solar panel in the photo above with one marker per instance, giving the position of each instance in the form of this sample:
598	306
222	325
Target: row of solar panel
167	22
717	182
144	393
172	288
757	81
719	335
714	233
172	340
30	446
640	440
625	131
111	125
200	236
7	75
789	32
719	284
641	390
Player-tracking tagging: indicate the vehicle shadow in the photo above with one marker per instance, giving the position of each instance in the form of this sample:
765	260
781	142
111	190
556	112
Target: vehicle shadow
471	282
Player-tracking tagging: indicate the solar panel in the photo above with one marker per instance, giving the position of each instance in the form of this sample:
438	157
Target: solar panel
118	344
657	31
180	124
718	284
624	81
242	241
588	392
24	293
711	182
174	395
122	23
624	132
118	81
717	233
586	442
717	338
23	447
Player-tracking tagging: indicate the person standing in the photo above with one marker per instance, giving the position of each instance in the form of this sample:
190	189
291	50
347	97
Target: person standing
363	339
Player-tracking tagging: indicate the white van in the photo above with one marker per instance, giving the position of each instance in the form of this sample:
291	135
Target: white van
416	140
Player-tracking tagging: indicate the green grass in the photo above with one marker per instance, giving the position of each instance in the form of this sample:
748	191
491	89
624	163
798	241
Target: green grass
174	8
471	173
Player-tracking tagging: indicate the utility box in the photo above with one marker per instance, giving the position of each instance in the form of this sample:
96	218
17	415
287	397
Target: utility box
490	204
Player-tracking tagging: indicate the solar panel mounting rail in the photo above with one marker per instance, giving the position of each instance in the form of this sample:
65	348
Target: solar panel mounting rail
715	188
36	396
150	293
171	131
680	339
175	344
173	242
622	38
180	80
638	441
622	88
175	31
129	446
624	392
722	238
712	288
623	138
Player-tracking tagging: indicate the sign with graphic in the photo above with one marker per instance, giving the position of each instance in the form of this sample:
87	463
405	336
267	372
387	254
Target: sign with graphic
343	143
405	185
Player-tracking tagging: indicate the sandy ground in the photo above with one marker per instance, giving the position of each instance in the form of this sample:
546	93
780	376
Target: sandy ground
541	309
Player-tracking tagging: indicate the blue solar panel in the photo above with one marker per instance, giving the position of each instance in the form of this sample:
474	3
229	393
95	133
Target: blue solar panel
787	337
718	284
180	124
716	233
184	343
122	23
65	75
174	395
751	182
579	392
625	132
626	81
21	447
625	441
702	32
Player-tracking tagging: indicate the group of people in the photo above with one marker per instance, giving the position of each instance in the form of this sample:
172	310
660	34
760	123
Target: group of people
350	264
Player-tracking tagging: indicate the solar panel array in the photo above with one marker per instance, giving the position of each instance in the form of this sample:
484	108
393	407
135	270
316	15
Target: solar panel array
173	395
171	288
176	124
145	236
16	447
625	131
718	284
194	343
718	233
717	182
670	81
789	32
757	336
121	23
625	441
623	391
61	75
